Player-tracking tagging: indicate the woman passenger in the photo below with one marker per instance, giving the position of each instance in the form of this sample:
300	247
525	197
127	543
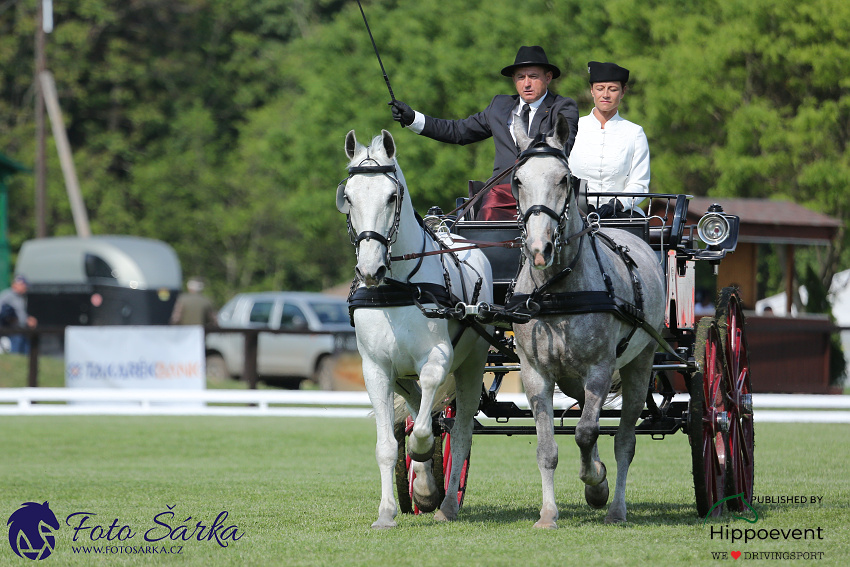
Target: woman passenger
610	153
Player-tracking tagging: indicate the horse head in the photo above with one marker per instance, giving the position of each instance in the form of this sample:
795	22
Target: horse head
541	187
373	199
31	530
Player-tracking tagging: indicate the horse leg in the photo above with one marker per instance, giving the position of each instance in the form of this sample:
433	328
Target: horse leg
468	378
426	493
592	471
378	385
635	377
539	391
433	373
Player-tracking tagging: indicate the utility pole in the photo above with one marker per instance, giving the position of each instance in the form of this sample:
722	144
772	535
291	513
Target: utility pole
40	144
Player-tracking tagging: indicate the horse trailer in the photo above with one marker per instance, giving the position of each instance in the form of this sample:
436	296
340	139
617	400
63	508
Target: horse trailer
100	280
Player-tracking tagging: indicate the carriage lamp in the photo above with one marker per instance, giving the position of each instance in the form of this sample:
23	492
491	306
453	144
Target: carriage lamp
713	228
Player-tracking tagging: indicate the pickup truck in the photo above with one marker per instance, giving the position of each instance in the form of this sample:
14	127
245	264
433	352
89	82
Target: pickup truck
285	359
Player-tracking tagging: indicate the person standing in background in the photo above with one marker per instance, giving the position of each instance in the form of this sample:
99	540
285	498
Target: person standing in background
13	313
193	307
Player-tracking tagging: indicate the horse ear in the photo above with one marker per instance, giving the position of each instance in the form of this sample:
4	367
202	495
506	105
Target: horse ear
350	144
389	143
522	139
562	131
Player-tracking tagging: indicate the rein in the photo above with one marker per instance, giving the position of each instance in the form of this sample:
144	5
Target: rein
474	244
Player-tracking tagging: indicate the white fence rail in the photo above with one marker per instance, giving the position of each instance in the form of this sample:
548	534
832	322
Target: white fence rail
312	403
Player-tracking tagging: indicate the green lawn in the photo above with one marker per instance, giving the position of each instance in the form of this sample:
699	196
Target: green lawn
304	492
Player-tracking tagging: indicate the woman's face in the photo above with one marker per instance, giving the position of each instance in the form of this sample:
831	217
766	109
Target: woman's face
607	96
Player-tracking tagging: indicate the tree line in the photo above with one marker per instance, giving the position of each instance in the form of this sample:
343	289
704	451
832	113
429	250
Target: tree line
217	126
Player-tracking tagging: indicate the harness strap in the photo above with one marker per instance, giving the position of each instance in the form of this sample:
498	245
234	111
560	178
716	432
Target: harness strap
509	354
566	303
397	294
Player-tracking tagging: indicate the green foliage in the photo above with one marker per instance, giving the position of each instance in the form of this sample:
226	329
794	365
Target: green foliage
217	126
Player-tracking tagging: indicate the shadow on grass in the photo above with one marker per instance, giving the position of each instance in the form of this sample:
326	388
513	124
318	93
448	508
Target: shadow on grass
639	514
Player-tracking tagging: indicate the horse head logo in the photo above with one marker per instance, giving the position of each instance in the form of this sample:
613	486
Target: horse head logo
31	530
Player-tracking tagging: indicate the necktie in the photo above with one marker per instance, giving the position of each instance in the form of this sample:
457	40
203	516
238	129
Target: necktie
526	112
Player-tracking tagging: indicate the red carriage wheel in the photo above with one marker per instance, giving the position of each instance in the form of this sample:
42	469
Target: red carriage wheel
740	465
708	419
448	462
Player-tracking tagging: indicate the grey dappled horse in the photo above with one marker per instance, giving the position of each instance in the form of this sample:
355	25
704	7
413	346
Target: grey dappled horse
398	343
578	352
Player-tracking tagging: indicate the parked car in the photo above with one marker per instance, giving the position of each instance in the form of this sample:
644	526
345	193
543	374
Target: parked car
287	359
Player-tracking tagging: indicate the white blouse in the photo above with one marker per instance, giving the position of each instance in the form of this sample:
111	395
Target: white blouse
611	159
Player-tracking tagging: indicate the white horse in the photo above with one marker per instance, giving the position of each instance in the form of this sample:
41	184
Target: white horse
398	343
578	350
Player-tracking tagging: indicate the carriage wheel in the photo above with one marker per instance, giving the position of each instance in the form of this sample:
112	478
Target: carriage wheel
708	419
402	465
448	462
740	471
441	469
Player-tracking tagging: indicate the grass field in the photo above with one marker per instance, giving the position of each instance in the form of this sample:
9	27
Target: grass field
304	492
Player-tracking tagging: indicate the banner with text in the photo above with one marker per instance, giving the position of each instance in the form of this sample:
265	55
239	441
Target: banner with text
155	357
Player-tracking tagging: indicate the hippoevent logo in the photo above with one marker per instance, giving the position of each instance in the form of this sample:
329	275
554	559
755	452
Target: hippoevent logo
737	536
32	526
31	530
736	496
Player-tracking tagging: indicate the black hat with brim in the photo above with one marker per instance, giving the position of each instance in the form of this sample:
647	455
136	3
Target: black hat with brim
607	73
531	56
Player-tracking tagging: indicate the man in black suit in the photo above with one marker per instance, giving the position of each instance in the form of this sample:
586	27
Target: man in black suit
533	105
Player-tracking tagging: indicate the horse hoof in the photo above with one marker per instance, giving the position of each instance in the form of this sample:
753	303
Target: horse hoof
614	520
546	525
441	517
383	524
548	516
597	496
426	502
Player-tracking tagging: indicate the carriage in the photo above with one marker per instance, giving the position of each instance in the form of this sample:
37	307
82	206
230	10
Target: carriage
710	357
699	381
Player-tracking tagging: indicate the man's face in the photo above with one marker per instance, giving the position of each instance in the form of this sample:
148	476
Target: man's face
19	287
531	82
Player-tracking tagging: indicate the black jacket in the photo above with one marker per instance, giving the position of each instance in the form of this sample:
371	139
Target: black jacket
494	121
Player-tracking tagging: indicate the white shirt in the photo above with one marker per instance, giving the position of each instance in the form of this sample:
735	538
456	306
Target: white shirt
611	159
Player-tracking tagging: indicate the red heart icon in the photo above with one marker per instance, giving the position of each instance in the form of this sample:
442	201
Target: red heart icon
736	554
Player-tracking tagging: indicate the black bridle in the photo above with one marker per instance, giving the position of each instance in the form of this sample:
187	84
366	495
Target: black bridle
539	148
342	204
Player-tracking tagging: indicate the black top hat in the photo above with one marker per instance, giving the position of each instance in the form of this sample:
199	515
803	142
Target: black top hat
527	56
607	72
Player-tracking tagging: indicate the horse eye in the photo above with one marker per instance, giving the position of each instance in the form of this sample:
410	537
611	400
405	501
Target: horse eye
393	197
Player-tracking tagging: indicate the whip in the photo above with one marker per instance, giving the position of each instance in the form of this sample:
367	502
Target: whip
378	55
